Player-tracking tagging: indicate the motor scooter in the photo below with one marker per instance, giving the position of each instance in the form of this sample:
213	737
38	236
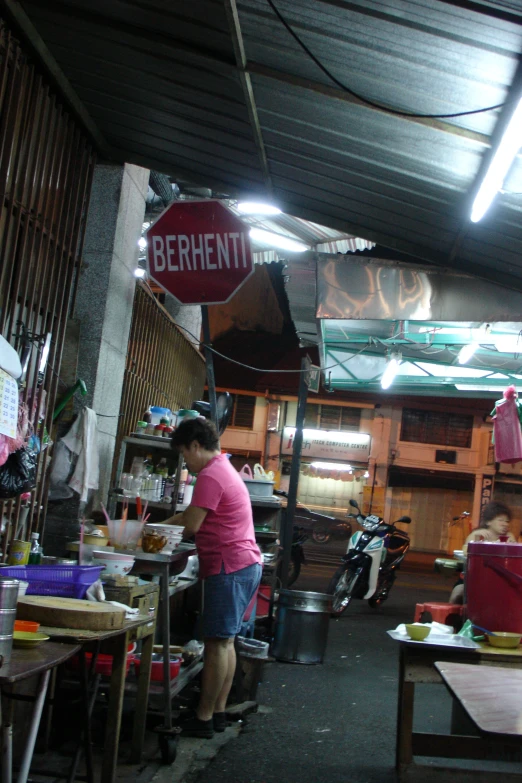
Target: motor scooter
369	566
306	525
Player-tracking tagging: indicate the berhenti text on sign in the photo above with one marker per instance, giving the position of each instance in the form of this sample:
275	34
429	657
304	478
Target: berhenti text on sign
199	252
193	252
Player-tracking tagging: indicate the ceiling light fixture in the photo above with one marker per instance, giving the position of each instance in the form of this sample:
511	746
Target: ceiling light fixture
331	466
257	208
142	243
277	240
476	387
499	165
392	368
140	273
508	343
467	351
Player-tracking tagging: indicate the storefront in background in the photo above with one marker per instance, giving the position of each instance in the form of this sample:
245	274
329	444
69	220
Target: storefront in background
334	467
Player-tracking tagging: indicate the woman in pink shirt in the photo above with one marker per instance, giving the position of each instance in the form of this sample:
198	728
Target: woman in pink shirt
220	517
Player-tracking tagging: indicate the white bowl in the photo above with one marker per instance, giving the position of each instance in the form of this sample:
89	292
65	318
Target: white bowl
101	554
119	567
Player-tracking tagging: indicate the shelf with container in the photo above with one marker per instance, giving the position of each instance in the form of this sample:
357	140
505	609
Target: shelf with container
267	514
159	448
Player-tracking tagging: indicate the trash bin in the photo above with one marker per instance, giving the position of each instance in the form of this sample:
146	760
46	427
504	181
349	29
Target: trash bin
301	630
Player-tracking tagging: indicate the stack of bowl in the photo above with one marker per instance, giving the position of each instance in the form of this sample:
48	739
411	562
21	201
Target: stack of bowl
173	534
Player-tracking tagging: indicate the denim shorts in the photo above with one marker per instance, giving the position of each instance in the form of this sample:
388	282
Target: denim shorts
227	597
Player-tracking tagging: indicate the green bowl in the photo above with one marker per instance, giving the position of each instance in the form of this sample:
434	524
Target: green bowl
504	639
417	632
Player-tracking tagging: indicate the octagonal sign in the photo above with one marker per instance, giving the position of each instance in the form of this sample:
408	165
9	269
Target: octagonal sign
199	252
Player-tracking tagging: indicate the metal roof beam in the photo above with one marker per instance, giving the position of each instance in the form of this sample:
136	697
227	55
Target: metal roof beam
17	16
246	85
334	92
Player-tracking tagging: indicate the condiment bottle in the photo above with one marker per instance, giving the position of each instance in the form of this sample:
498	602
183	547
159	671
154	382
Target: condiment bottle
167	432
182	482
158	430
35	555
147	416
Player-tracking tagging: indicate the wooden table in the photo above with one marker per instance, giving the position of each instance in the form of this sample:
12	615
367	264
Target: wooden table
116	643
26	663
493	702
417	666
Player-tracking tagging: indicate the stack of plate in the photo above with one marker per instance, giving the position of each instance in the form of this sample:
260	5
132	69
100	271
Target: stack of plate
173	534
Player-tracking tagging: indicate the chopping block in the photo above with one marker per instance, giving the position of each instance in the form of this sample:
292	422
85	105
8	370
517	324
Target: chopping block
70	613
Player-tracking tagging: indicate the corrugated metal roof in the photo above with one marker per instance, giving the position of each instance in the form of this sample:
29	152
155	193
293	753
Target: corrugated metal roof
160	81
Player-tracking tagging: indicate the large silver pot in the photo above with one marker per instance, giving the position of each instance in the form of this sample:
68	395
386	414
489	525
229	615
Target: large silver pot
302	621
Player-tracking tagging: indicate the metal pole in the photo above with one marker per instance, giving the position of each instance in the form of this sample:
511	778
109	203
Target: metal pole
209	358
288	527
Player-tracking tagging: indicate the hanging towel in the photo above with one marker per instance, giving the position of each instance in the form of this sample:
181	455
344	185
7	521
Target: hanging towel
83	441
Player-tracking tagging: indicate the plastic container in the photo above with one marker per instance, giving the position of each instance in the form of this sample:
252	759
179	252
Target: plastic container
494	585
301	631
28	626
156	674
157	414
59	580
252	647
124	535
103	662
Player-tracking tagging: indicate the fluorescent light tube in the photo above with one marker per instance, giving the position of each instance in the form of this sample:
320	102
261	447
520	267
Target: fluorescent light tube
257	208
466	352
388	376
499	166
277	240
331	466
476	387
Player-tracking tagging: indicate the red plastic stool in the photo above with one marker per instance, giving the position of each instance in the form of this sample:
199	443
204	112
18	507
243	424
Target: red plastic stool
447	614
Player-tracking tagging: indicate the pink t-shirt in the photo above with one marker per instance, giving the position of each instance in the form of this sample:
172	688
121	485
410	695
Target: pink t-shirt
227	536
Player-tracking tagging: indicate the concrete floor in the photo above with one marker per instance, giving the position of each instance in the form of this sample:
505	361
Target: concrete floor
334	722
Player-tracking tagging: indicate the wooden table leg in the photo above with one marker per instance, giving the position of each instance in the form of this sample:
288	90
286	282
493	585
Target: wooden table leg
116	693
142	699
404	753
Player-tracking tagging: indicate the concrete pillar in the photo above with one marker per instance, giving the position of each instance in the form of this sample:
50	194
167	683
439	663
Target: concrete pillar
104	312
188	317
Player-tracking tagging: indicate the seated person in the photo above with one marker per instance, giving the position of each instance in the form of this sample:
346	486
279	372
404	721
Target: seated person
494	523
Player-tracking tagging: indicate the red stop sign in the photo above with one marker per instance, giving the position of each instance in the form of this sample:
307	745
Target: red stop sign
199	252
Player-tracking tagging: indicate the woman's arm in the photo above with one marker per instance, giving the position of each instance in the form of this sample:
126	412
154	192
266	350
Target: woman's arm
191	519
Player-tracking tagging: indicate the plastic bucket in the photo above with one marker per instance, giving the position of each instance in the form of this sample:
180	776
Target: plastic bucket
494	586
302	621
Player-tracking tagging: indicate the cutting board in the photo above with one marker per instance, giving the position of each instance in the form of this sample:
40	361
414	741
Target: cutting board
69	613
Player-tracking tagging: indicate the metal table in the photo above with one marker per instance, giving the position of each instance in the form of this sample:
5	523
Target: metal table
165	565
24	664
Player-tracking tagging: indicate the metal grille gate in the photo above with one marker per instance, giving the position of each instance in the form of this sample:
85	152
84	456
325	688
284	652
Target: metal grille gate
46	165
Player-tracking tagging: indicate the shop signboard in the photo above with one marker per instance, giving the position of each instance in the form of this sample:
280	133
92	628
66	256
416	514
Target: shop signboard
329	444
486	494
199	252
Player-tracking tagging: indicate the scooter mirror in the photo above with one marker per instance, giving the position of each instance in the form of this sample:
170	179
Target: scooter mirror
353	503
405	520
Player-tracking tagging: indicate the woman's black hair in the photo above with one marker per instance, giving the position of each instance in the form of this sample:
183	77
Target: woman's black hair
200	429
493	510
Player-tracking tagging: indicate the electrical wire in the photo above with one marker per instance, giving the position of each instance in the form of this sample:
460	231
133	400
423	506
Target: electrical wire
368	101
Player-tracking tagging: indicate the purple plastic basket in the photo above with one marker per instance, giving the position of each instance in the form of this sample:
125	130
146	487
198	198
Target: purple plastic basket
66	581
